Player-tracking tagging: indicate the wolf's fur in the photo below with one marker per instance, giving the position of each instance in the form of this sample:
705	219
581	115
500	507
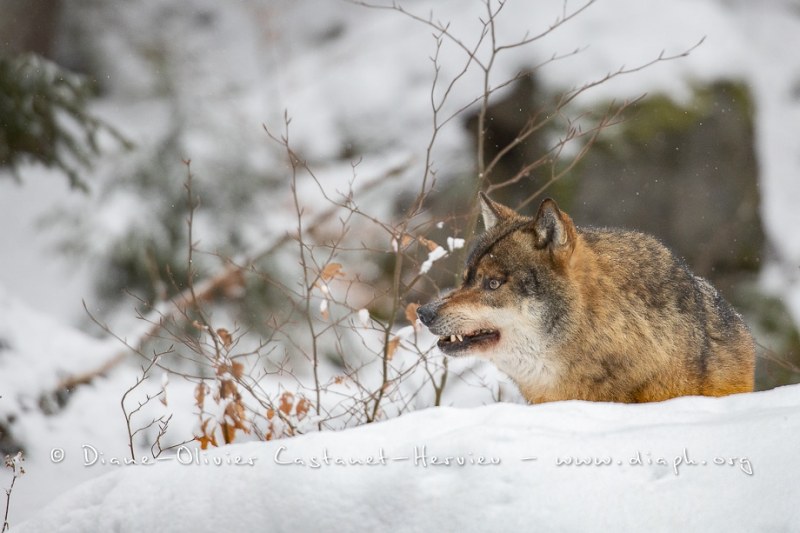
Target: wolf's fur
591	314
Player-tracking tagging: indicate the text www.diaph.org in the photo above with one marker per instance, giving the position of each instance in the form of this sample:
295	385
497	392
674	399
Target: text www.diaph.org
677	462
418	456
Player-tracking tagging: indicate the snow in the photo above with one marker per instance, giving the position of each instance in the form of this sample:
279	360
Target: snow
370	88
689	464
363	317
38	352
433	256
27	264
454	243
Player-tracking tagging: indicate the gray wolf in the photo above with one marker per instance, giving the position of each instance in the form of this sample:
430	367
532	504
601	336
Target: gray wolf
590	313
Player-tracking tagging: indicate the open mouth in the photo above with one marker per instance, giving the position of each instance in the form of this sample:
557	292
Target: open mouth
462	342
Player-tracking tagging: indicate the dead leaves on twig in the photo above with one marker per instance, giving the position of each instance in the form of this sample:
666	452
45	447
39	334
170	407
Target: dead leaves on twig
411	314
286	402
391	347
302	408
200	395
402	243
331	271
235	369
291	410
405	240
221	335
234	419
207	435
225	337
234	414
228	389
429	244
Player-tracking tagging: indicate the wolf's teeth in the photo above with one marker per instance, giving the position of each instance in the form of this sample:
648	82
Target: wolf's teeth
460	338
452	338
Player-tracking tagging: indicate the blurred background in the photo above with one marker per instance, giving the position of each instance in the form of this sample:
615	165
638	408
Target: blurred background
103	103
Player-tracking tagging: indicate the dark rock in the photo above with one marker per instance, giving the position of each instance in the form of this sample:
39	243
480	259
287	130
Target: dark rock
687	174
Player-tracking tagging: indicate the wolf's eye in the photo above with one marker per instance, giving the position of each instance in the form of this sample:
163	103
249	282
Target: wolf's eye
493	284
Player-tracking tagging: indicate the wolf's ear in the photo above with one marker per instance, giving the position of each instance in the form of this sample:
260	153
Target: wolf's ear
493	212
553	228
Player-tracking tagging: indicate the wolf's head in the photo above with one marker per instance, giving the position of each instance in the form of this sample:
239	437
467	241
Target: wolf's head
512	299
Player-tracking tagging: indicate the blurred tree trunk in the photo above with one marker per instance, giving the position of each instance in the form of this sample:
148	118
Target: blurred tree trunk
28	26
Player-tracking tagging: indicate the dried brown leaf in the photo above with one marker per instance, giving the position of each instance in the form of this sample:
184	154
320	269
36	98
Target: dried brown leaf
228	432
200	395
236	413
228	389
391	347
226	338
302	408
286	403
331	270
237	369
427	243
205	439
411	313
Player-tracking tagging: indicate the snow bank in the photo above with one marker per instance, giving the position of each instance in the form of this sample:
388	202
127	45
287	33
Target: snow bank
39	352
378	75
36	354
699	464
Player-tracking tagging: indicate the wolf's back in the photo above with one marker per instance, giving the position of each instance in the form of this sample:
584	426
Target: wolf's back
697	343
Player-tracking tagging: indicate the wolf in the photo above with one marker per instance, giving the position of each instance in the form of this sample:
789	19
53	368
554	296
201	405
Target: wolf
583	313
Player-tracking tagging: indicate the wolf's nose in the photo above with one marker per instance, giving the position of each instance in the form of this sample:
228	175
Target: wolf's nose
427	313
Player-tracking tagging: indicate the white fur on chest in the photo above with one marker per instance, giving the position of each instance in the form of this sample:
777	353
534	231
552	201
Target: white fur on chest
524	353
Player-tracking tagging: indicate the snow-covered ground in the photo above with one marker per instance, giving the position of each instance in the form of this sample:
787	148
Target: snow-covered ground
36	354
690	464
367	83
